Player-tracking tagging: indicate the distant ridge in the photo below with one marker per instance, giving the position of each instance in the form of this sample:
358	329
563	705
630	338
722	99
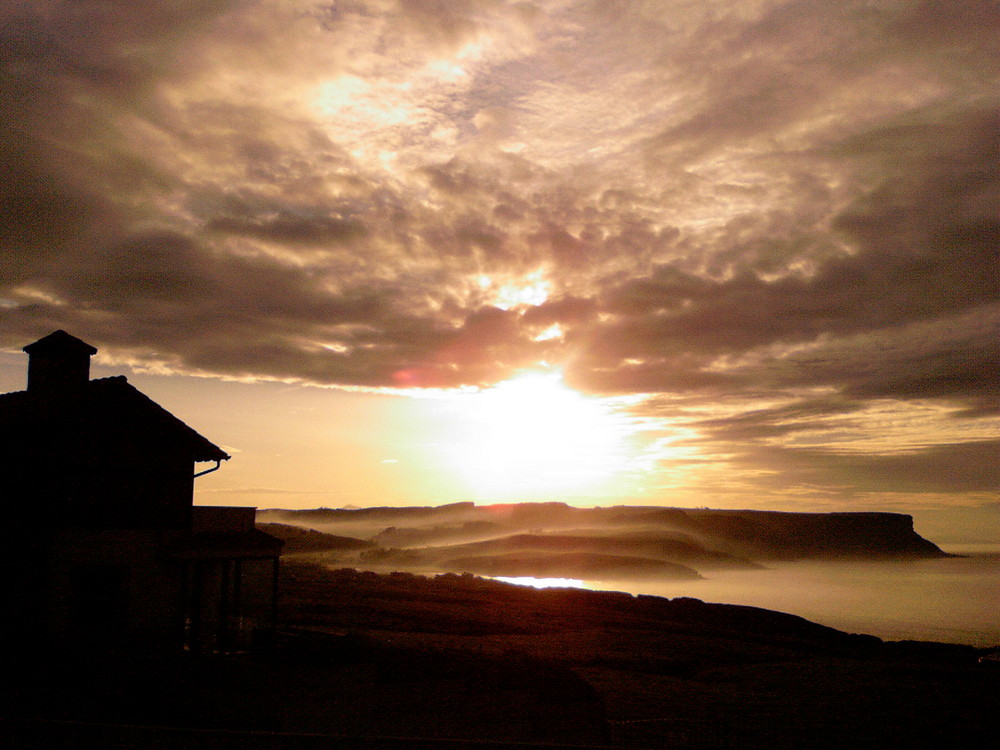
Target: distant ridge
556	539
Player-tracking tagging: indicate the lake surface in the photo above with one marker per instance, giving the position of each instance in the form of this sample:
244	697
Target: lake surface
952	600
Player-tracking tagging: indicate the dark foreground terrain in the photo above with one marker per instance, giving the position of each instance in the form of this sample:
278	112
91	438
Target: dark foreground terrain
461	661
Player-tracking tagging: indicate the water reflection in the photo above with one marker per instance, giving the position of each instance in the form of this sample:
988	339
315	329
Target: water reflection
953	600
544	583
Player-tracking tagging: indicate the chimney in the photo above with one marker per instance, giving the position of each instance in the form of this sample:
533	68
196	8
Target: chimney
58	363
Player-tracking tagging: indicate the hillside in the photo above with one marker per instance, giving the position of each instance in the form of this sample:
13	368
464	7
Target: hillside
460	661
555	539
600	667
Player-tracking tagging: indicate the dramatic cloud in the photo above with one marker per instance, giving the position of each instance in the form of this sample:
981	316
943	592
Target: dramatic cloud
778	216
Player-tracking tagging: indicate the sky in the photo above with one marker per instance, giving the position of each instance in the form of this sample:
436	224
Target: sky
699	253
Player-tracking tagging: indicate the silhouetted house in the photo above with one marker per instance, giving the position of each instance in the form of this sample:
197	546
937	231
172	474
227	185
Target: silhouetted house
104	546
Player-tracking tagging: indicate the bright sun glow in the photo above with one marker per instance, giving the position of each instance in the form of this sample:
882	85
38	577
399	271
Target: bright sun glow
533	437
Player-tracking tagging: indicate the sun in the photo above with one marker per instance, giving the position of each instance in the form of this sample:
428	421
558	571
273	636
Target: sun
534	437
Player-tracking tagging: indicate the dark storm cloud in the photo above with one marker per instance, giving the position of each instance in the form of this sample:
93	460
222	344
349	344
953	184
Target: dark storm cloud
927	248
948	468
568	311
68	69
781	421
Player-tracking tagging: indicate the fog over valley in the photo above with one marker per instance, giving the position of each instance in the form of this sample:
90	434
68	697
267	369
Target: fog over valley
862	572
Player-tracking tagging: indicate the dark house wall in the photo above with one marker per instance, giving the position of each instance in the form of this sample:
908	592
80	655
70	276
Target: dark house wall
100	487
66	470
117	589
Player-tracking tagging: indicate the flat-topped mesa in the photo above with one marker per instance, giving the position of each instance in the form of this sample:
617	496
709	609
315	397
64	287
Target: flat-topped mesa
781	535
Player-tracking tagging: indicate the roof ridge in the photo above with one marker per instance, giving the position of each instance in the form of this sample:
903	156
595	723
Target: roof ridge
166	413
120	378
101	392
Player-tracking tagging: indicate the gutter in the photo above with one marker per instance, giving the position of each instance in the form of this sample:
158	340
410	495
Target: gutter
218	463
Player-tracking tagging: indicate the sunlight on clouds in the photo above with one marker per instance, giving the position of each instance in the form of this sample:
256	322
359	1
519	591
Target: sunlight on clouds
377	105
552	333
532	289
446	70
29	295
887	426
669	450
404	109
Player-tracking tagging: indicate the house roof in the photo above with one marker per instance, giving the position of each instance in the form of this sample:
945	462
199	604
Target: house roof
62	342
106	400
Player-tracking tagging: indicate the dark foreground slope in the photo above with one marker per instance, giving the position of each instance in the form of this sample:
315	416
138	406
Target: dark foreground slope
677	673
468	660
